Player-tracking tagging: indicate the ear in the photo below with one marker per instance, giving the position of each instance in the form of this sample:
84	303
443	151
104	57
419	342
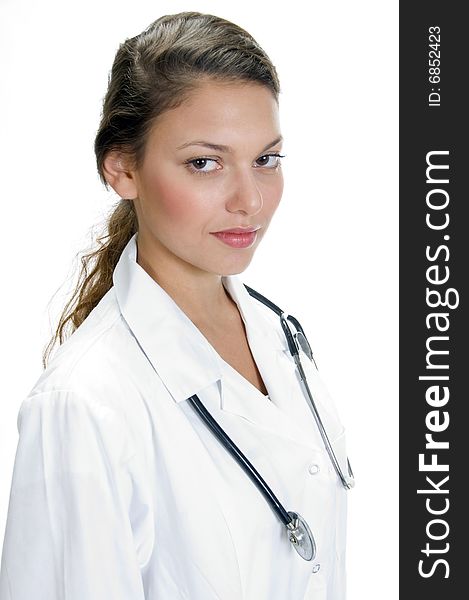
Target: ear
119	175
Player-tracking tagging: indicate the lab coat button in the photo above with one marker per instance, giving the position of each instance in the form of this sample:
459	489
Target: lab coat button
316	568
313	469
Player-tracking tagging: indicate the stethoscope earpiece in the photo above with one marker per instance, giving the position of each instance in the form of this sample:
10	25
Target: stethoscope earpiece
304	344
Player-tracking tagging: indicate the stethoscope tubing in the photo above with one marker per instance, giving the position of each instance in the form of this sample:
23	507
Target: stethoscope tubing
322	430
241	459
293	348
299	533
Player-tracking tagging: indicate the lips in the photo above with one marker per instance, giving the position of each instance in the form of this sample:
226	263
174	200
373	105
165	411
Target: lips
239	229
237	237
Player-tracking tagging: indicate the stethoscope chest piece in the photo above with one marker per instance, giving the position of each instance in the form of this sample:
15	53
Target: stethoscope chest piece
301	537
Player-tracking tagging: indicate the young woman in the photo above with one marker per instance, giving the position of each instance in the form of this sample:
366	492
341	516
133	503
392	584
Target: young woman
121	489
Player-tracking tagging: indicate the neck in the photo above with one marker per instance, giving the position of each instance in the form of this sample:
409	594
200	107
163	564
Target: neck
199	294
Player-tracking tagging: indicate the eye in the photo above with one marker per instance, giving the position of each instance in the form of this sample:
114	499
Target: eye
197	165
193	164
271	155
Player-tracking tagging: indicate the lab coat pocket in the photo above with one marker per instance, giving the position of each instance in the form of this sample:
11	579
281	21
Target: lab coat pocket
325	402
340	450
322	400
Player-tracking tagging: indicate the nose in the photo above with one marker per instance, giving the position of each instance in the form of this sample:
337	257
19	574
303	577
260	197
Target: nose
245	197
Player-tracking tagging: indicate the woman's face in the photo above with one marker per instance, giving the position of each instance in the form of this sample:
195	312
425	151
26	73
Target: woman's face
186	190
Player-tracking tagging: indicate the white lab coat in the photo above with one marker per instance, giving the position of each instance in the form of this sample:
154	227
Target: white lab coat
120	492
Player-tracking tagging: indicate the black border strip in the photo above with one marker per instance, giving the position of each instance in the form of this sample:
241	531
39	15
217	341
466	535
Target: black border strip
433	291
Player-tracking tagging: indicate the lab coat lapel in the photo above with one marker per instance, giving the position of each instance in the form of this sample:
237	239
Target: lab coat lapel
287	415
177	350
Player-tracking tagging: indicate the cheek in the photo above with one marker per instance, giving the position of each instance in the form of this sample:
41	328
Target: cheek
274	195
176	203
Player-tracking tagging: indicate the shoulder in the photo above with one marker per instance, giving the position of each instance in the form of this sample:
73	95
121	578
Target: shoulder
93	383
91	357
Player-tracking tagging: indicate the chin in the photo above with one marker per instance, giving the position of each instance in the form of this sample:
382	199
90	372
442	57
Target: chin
236	267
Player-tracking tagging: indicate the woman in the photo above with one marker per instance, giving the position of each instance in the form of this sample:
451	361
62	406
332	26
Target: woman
120	489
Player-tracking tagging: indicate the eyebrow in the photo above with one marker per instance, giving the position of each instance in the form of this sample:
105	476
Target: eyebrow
221	147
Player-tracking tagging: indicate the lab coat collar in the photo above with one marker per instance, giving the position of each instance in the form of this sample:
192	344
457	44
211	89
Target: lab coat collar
187	363
177	350
180	354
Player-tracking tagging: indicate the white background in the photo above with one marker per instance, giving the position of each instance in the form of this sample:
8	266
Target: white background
330	256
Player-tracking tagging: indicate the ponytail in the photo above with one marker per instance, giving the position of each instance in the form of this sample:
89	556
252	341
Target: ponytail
95	276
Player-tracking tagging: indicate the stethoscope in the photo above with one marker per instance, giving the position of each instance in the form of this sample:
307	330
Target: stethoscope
299	533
